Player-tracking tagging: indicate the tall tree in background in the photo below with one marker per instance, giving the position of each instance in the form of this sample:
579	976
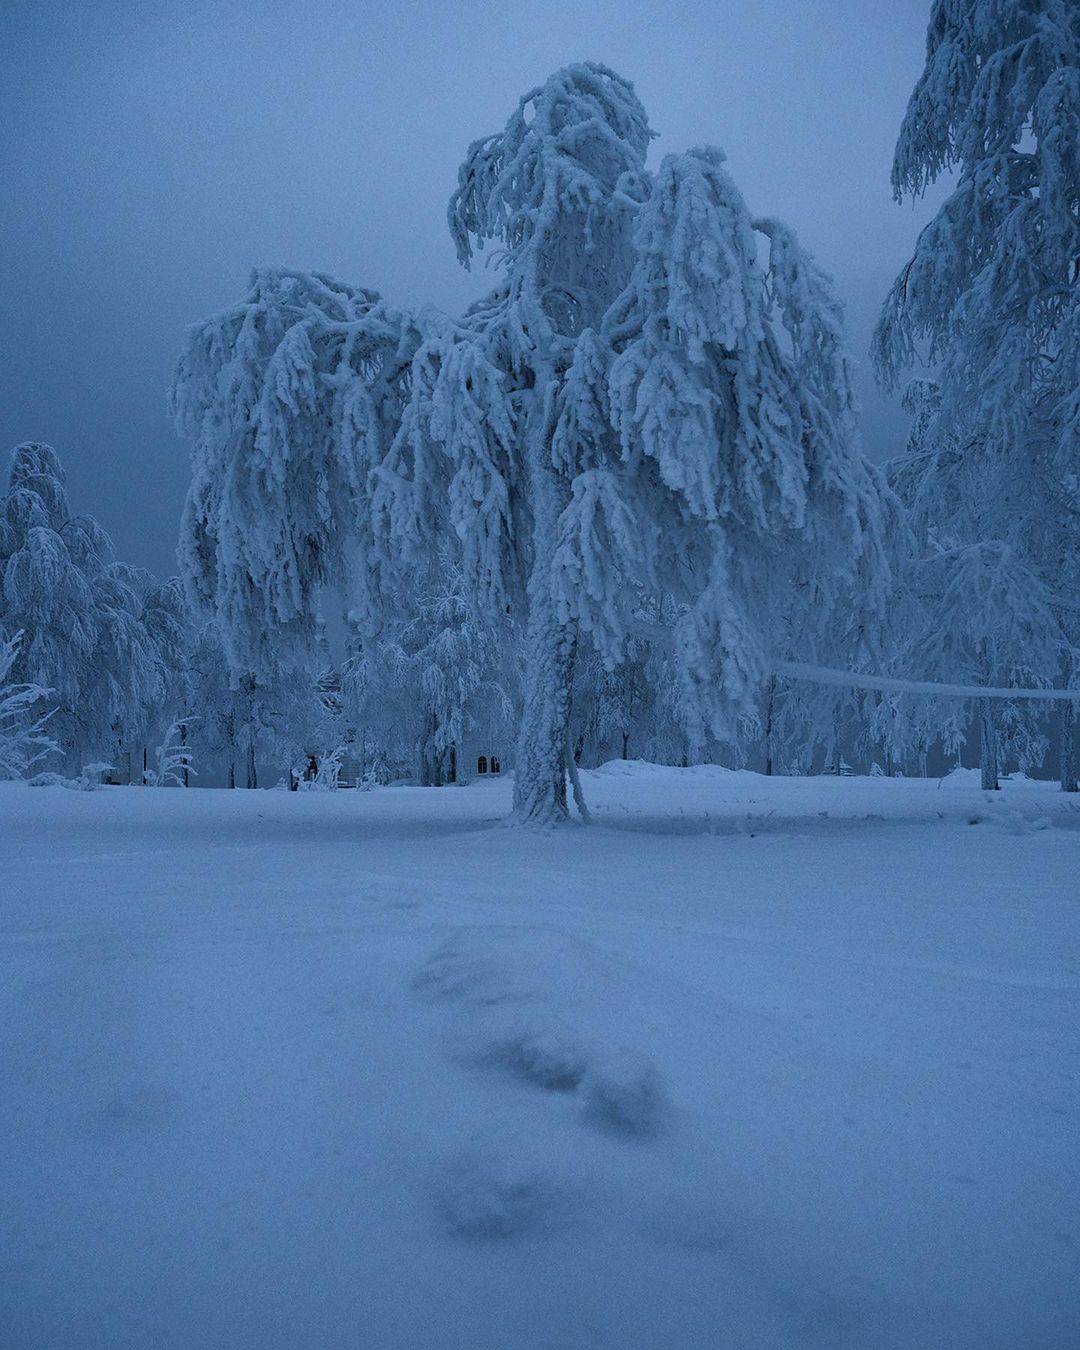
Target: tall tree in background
727	475
429	675
80	613
991	297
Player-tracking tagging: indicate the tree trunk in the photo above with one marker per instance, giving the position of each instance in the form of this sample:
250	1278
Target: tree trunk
1070	748
252	775
232	773
540	771
543	748
769	729
431	762
988	748
183	742
626	745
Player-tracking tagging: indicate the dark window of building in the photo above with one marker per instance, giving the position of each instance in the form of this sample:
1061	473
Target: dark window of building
481	764
494	764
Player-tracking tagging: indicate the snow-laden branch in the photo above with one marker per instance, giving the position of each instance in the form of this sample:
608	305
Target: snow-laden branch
850	679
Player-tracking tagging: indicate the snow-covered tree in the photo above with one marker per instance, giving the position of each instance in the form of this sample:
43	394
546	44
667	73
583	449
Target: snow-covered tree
79	611
237	721
991	295
290	400
164	616
429	674
24	738
980	620
734	481
557	189
639	406
619	710
220	732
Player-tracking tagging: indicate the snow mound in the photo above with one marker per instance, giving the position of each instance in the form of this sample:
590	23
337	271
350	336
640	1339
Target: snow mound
481	1197
686	1224
456	974
625	1094
548	1056
486	966
624	768
643	768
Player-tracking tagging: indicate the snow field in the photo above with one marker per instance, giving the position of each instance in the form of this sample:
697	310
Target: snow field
749	1062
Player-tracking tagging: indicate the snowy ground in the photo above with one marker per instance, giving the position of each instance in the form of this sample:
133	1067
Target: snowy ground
749	1063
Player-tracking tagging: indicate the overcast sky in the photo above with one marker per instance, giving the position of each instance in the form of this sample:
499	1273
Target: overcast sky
152	153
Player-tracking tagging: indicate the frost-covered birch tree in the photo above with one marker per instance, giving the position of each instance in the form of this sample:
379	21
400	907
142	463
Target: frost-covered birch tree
662	411
480	450
290	400
991	298
640	406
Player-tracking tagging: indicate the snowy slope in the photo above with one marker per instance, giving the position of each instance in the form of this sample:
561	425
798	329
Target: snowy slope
749	1063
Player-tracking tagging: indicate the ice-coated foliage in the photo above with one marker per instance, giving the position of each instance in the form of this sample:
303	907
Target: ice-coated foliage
557	189
429	675
290	400
991	287
224	729
81	613
732	483
24	738
165	618
630	710
642	412
991	297
239	721
977	617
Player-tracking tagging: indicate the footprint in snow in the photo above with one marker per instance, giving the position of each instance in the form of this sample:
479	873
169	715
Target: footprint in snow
542	1053
624	1094
481	1196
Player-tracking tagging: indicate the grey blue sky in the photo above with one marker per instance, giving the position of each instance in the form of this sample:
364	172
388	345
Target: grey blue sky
153	151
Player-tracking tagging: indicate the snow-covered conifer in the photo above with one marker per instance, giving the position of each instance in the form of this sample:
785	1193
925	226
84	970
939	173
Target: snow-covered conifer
79	611
980	619
992	294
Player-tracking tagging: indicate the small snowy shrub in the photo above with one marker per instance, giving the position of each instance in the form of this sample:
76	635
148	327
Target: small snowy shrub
172	760
88	780
328	777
